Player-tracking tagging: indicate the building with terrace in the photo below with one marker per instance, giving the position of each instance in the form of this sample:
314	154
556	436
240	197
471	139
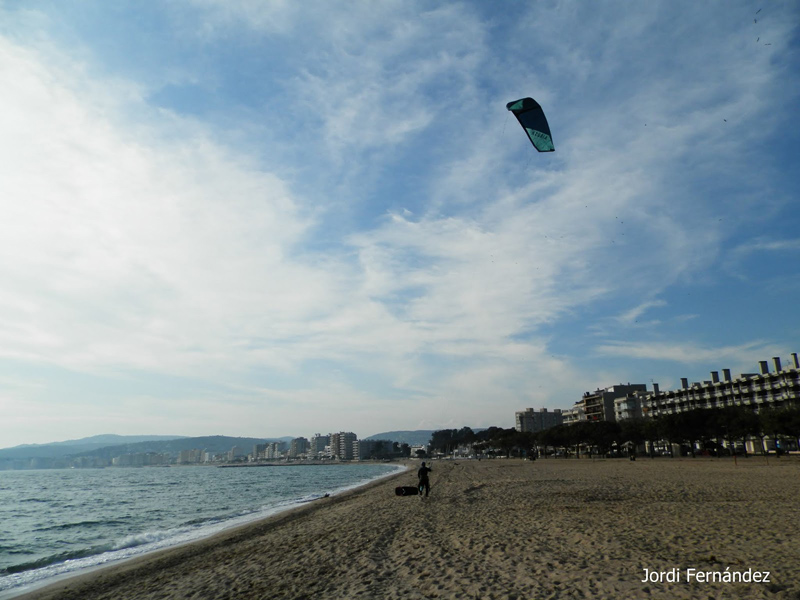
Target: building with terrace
779	388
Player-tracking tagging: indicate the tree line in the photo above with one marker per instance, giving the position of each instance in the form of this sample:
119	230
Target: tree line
704	428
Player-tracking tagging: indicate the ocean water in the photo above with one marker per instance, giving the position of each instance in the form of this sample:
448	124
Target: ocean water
55	522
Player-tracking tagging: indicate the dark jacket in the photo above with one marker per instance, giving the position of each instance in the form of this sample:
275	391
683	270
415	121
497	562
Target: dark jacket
422	474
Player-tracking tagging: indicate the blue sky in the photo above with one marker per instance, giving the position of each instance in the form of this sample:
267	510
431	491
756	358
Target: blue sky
281	218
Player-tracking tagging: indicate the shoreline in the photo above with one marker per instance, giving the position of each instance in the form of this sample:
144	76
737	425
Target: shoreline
233	529
503	530
307	463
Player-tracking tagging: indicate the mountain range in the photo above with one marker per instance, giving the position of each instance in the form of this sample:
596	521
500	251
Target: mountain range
110	445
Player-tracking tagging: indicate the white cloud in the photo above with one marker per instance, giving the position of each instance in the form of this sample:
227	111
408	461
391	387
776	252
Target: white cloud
770	246
430	247
632	316
687	353
734	258
276	17
121	247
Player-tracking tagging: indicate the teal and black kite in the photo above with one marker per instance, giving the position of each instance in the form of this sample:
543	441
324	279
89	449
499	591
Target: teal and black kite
531	116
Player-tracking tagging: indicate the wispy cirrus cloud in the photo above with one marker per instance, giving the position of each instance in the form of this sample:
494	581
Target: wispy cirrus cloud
736	256
124	248
632	316
745	354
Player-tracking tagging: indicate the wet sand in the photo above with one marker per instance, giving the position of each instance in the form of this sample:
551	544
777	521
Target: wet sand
497	529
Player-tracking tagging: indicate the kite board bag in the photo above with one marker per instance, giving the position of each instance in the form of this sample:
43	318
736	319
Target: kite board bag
406	490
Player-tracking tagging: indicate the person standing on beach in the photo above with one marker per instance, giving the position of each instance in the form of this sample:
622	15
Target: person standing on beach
422	475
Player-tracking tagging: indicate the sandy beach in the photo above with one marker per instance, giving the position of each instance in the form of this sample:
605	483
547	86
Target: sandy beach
501	529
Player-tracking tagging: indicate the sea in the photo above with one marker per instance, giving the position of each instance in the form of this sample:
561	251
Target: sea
58	522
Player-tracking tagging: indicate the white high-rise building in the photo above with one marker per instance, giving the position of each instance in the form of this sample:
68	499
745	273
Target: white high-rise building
342	445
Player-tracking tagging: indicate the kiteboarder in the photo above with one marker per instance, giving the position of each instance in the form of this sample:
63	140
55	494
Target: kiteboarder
424	483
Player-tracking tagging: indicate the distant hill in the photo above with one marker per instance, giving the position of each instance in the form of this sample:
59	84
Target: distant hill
215	444
107	439
80	446
116	445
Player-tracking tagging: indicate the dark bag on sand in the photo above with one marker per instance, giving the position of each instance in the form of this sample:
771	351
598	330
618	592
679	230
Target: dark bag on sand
406	490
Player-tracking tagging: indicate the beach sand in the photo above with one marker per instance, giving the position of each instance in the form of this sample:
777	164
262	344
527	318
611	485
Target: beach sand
555	528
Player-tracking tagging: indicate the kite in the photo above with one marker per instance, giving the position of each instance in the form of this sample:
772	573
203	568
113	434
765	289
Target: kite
531	116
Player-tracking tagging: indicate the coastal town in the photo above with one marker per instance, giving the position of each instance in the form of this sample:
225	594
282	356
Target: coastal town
628	408
769	391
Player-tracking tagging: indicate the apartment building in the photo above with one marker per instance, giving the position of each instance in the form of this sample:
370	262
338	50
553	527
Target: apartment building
273	451
298	447
530	420
140	459
317	445
599	405
190	457
344	445
573	415
373	448
779	388
630	406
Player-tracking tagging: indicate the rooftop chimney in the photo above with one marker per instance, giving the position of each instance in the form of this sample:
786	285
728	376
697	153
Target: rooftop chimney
655	389
776	360
726	374
684	383
715	376
764	367
796	361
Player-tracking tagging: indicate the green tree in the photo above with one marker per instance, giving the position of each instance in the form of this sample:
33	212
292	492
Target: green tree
443	440
700	423
650	430
465	435
555	437
770	421
736	423
524	442
747	426
692	426
780	422
490	433
631	431
604	434
669	429
507	441
791	422
579	434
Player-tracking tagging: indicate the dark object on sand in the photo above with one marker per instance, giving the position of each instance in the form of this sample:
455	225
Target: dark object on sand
406	490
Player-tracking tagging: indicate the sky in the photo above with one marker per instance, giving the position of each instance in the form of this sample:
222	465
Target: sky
284	218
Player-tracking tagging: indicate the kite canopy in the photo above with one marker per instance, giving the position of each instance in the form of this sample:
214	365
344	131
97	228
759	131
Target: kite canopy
531	116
